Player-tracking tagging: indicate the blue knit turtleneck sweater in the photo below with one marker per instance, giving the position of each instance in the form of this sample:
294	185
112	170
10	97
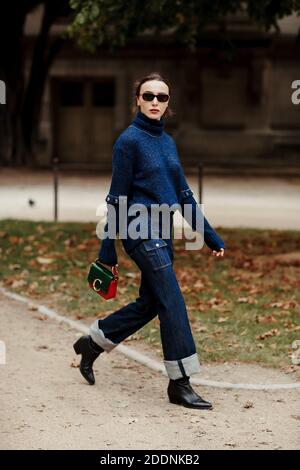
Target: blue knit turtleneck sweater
146	169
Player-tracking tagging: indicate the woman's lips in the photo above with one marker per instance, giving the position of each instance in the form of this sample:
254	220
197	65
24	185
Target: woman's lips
154	110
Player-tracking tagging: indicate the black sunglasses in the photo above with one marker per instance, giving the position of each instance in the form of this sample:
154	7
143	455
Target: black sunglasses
162	97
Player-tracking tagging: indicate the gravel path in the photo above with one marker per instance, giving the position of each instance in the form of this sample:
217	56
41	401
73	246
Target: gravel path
47	405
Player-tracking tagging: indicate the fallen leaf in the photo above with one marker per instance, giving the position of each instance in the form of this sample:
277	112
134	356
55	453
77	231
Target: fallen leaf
277	304
248	404
131	275
199	285
243	299
79	317
18	283
297	417
222	319
13	240
42	260
290	369
269	334
42	318
81	247
266	319
200	329
14	266
74	364
32	307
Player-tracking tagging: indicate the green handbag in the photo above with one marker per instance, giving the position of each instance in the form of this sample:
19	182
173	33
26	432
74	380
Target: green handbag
103	280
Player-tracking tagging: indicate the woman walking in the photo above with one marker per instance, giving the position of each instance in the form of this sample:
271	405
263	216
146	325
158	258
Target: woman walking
147	170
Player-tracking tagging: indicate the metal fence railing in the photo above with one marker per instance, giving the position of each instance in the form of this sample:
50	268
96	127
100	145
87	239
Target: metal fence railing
248	168
58	167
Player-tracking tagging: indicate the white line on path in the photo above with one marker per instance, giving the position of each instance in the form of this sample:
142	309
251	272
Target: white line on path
141	358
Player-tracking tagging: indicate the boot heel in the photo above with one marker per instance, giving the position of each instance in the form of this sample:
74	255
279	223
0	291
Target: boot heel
77	346
173	400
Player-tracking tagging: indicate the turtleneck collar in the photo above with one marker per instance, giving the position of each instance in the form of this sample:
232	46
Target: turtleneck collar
153	126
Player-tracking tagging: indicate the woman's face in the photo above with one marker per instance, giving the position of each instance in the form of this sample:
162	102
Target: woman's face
147	107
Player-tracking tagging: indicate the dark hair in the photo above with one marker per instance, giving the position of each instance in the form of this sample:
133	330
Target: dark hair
137	87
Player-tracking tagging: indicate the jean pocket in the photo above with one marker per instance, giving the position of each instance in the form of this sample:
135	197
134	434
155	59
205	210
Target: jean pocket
157	252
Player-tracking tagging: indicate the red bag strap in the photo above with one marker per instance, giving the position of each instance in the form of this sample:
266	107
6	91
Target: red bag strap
114	270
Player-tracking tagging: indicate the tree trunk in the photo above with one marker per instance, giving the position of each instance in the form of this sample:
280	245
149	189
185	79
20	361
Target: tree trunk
43	56
11	72
19	117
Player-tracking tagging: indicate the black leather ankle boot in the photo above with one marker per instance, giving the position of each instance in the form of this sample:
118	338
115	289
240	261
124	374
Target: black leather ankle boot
180	392
89	351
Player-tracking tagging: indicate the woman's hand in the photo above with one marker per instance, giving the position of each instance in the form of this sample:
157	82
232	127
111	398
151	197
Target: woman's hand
108	266
218	253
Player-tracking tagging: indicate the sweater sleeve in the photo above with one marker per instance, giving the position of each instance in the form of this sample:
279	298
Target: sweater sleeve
212	240
122	175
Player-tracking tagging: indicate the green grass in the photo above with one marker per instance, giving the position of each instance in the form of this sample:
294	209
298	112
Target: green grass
244	307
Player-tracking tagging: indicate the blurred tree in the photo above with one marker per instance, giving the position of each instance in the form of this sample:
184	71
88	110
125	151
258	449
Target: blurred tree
106	23
114	22
20	116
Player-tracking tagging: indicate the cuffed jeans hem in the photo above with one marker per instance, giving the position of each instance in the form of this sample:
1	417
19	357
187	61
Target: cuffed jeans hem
99	338
182	367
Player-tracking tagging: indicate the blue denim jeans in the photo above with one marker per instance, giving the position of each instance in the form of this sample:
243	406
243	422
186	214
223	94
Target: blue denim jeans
159	294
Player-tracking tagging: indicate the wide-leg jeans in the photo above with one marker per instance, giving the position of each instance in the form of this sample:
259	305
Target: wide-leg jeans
159	294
